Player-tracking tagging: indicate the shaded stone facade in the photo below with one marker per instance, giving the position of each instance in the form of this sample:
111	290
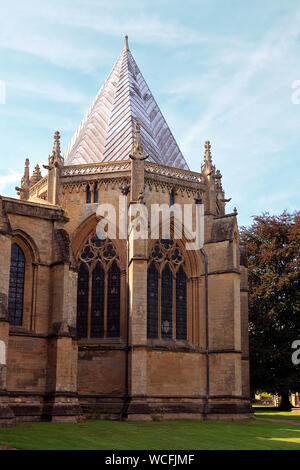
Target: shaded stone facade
86	344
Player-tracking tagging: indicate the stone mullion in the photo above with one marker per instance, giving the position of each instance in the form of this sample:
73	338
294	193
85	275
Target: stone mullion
159	305
195	308
189	310
124	303
92	186
105	302
174	306
34	298
197	312
90	304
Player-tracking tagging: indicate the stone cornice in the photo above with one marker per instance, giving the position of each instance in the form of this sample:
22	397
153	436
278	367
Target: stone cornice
33	209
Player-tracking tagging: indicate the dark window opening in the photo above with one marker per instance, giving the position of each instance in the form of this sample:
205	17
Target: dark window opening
152	302
181	329
88	195
16	286
166	302
113	301
83	301
96	197
172	198
97	314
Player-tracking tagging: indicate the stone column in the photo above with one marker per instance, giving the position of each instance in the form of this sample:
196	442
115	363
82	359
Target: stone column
62	400
61	403
6	414
137	273
138	329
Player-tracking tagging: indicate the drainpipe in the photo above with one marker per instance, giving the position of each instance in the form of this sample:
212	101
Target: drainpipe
200	229
125	192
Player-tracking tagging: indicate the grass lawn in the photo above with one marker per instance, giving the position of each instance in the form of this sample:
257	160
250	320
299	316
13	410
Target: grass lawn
272	413
176	435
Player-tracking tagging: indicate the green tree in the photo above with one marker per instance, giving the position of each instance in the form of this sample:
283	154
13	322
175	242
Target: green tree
273	248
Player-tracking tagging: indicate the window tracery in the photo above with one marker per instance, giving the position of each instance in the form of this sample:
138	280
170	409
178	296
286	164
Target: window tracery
166	292
16	285
99	289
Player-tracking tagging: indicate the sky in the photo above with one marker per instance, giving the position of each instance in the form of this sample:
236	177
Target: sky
227	71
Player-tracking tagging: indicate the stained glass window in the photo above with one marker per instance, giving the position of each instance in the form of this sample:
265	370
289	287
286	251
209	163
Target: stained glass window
166	302
88	195
113	301
152	302
16	285
96	195
97	315
172	198
180	304
166	292
83	301
98	311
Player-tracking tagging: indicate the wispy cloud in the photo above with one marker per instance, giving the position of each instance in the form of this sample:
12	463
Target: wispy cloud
11	178
58	36
234	94
49	91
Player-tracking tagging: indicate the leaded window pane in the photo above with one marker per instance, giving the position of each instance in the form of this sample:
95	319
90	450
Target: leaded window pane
113	301
16	286
88	195
166	302
96	195
181	299
152	302
83	301
97	314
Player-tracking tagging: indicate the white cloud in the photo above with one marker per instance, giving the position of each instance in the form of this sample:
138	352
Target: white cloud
56	31
234	96
12	178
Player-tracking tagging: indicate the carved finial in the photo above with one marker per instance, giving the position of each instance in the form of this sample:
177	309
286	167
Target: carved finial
23	191
56	158
207	151
207	166
126	46
235	211
36	176
137	152
56	146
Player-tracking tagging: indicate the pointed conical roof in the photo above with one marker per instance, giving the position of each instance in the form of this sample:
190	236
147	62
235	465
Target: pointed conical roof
107	131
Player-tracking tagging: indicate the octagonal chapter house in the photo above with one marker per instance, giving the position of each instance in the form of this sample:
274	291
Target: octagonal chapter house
121	326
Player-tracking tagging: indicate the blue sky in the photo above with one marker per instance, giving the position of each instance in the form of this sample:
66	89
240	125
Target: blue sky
219	70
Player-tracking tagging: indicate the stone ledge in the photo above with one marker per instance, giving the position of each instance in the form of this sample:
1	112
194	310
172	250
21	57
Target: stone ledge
33	209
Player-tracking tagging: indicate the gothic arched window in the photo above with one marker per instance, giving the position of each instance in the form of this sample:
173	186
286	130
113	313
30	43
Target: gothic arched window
99	290
181	312
152	301
82	300
166	292
88	195
16	285
96	194
166	302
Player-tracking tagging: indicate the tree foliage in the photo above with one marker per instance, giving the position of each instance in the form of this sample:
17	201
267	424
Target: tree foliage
273	248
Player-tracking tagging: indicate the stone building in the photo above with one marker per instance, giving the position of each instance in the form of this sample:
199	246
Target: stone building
140	329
